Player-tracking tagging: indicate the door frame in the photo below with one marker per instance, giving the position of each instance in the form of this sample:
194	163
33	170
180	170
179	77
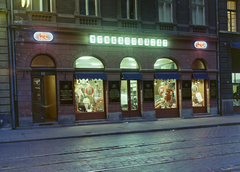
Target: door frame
41	74
129	112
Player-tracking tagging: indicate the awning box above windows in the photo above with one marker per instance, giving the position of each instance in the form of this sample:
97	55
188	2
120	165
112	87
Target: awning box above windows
200	76
132	75
235	45
167	76
91	75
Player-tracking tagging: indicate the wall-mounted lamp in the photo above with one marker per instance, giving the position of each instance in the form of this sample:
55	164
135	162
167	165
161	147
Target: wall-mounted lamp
25	3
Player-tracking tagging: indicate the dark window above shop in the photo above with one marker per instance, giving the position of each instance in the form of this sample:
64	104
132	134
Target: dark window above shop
198	12
88	7
41	5
232	16
129	9
165	11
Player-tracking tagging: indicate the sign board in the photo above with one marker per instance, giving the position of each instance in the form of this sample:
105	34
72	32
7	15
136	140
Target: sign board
114	91
66	92
148	91
43	36
186	90
200	44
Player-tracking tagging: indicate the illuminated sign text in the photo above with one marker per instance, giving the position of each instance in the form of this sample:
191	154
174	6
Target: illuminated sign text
114	40
43	36
200	44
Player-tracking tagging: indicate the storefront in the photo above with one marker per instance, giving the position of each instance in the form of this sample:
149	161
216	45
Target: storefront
113	77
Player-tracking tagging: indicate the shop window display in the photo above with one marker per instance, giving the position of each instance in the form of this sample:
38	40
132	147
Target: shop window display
165	94
198	93
89	95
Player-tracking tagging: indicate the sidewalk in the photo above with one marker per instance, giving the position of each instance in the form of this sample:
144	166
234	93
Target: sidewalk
58	131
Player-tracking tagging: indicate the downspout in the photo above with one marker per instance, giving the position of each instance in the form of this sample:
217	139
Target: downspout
218	62
11	62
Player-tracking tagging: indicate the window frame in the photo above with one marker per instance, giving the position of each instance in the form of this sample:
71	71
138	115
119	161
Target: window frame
128	10
165	2
230	10
51	6
78	12
197	9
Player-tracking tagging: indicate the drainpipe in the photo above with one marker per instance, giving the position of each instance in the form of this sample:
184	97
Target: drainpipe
218	62
11	61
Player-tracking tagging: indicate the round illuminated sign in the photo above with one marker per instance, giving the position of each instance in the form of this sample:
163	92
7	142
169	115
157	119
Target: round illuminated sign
43	36
200	44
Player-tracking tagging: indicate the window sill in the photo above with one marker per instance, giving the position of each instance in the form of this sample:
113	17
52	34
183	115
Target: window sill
129	20
88	17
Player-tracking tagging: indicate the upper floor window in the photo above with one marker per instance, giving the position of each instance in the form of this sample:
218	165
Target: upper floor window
88	7
129	9
198	12
165	11
232	14
41	5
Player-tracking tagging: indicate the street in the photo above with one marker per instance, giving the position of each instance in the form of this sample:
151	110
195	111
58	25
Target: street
204	149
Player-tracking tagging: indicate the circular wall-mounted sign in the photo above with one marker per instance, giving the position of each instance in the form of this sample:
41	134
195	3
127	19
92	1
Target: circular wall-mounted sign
89	90
200	44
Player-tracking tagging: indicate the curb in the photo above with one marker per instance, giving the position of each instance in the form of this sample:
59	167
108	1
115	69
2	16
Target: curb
126	132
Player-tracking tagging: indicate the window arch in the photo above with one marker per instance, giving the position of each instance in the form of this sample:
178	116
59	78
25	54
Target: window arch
88	62
129	63
165	63
198	64
42	61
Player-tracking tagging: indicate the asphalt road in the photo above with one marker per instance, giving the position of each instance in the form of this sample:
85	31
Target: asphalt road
206	149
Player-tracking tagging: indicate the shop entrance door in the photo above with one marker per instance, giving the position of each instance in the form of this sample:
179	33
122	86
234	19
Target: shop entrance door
130	98
43	98
199	96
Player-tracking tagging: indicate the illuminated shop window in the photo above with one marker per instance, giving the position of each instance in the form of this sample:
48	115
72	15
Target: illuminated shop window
165	11
129	63
88	62
42	61
236	88
165	94
89	95
198	64
165	63
232	16
198	93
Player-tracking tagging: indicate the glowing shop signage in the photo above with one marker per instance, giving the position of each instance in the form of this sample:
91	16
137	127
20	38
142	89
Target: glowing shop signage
113	40
200	44
43	36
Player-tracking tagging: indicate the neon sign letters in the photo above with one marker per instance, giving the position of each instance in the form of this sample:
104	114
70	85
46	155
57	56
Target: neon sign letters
128	41
200	44
43	36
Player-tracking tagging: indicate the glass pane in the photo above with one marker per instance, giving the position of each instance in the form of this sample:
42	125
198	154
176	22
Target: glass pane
165	94
37	89
233	23
124	8
82	7
124	95
198	64
165	63
229	21
36	5
134	94
89	95
194	15
231	5
236	95
168	13
198	93
88	62
200	2
46	5
132	9
91	7
201	18
129	63
160	11
42	61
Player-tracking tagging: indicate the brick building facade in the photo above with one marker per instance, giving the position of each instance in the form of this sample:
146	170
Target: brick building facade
83	60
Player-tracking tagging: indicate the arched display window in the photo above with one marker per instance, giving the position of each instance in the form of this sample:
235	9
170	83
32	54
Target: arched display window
129	63
165	63
89	89
165	88
199	86
42	61
130	100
